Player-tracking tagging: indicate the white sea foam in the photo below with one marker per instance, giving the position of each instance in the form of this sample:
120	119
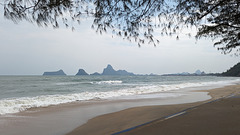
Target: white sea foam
108	82
67	83
14	105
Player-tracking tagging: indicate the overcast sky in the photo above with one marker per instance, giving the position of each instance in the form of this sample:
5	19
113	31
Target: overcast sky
26	49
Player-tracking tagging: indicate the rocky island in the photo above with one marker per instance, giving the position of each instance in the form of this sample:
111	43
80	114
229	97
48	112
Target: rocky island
110	71
96	73
196	73
54	73
82	72
106	71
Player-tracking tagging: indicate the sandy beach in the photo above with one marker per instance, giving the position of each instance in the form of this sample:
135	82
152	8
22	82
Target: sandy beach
206	117
103	117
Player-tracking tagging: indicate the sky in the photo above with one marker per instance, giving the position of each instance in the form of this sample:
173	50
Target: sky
26	49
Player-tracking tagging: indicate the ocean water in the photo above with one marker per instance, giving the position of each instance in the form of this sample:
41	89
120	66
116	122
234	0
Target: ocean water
19	93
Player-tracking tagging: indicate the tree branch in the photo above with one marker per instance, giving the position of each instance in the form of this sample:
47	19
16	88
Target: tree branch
237	27
209	11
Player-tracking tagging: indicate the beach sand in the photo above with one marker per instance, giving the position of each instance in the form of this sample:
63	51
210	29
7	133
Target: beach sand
219	117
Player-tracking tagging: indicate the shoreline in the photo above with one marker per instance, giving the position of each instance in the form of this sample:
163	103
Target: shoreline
132	117
216	117
62	119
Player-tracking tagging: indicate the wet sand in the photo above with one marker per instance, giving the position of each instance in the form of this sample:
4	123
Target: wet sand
102	117
219	117
62	119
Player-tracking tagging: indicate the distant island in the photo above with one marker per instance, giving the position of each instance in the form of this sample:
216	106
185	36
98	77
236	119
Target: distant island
96	73
196	73
106	71
82	72
109	70
232	72
54	73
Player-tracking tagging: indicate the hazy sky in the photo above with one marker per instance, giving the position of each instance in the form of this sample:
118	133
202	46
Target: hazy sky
26	49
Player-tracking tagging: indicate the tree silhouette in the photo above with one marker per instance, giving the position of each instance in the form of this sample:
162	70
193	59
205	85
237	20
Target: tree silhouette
140	21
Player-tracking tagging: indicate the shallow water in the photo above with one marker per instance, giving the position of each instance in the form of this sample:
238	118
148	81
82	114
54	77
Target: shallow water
61	119
88	97
20	93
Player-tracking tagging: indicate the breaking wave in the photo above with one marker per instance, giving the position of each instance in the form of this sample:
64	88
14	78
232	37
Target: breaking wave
15	105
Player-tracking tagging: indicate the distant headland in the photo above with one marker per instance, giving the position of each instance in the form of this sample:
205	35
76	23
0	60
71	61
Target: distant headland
233	71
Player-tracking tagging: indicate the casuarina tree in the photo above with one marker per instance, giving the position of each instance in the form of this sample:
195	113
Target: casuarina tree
141	21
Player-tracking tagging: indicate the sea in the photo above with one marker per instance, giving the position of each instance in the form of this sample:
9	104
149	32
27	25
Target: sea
20	93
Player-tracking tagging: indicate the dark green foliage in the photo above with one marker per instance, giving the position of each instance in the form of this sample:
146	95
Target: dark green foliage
140	21
234	71
42	12
217	19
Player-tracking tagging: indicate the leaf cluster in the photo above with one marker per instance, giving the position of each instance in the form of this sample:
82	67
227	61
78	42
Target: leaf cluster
215	19
140	21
